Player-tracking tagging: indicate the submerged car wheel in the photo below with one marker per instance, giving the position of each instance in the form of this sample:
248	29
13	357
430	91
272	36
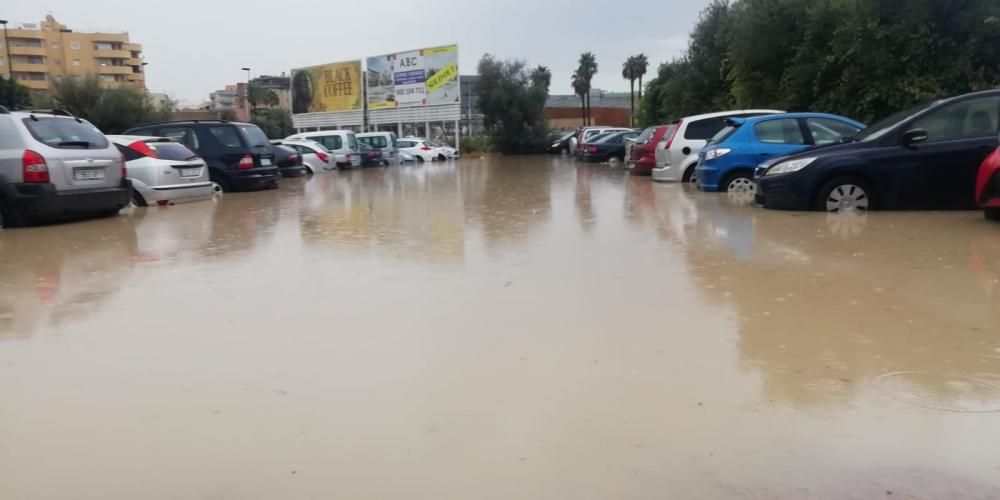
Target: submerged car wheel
137	200
691	175
844	195
741	184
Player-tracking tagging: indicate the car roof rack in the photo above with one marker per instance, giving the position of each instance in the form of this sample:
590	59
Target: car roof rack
4	110
172	122
57	112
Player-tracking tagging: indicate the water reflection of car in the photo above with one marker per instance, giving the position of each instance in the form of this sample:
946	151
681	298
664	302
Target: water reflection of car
925	157
607	146
728	163
988	186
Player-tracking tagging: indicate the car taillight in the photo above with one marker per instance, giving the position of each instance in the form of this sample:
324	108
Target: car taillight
323	157
143	149
348	158
124	169
371	154
425	148
34	167
246	162
593	149
673	133
293	158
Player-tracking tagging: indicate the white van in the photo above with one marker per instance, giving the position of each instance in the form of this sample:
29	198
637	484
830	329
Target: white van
342	143
382	141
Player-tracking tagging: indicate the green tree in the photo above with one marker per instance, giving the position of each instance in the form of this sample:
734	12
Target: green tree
260	96
629	70
13	95
512	106
541	77
112	110
275	122
587	69
641	67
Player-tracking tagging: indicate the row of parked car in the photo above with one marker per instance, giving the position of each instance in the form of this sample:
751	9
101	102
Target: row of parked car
931	156
54	165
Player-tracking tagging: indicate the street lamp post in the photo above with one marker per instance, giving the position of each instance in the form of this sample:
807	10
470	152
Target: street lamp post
249	104
10	64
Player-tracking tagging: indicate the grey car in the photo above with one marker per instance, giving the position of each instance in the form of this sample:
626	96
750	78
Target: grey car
55	165
384	142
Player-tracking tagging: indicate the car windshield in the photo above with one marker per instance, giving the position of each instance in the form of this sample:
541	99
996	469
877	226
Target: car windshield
253	135
172	151
65	133
881	127
646	135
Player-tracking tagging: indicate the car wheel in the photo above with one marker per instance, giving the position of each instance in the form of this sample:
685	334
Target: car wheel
9	219
690	175
137	200
219	184
845	194
991	213
740	183
420	159
309	170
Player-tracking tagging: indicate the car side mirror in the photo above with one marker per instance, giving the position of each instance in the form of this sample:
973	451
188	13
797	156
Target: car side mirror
914	136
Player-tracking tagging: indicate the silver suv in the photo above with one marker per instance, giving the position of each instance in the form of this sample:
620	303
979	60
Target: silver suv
54	165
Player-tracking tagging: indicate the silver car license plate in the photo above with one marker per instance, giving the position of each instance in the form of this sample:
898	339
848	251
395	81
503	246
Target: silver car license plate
190	172
265	162
88	174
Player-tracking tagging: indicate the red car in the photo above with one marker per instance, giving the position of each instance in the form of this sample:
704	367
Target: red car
988	186
642	157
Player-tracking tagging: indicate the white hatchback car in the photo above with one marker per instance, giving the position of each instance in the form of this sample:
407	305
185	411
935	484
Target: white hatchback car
164	171
421	149
315	156
677	152
342	143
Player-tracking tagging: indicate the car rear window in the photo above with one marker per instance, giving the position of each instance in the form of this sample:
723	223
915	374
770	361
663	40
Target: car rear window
254	135
646	135
65	133
375	141
724	134
171	151
226	135
704	129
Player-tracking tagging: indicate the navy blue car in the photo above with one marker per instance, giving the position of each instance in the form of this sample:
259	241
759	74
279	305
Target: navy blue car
926	157
728	163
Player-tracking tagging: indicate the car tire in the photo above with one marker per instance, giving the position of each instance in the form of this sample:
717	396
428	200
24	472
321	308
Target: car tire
138	200
219	181
9	219
738	182
842	193
690	175
992	213
420	159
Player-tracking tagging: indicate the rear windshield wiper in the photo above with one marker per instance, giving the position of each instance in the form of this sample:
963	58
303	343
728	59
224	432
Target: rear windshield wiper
82	144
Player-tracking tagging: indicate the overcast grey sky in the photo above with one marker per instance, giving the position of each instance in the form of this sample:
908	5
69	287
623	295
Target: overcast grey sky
196	46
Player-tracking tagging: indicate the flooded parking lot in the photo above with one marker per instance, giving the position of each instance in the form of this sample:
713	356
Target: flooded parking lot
499	328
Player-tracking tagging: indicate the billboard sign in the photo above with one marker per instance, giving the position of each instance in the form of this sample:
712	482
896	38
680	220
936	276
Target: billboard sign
327	88
427	77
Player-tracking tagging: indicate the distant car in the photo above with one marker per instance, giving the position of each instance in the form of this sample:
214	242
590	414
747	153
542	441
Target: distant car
315	157
289	161
606	147
418	148
728	163
53	164
445	152
238	155
988	186
370	157
925	157
587	134
164	171
677	152
384	142
342	143
641	156
561	143
406	157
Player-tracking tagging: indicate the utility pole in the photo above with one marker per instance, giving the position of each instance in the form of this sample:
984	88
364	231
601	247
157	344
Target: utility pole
249	104
10	64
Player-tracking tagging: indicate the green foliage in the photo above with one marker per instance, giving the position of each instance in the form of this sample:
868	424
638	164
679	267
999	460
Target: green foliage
513	106
541	77
475	144
113	110
13	95
860	58
260	96
275	122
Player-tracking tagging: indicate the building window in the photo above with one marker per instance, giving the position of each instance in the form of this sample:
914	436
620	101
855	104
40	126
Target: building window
57	62
76	62
30	76
2	62
74	45
55	45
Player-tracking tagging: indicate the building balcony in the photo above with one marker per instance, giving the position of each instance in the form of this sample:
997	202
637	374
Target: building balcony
136	77
114	70
19	33
28	51
35	84
30	68
109	37
132	47
133	62
112	54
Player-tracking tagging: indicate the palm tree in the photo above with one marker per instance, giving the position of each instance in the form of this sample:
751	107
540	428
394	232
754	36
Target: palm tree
641	66
541	77
580	89
629	69
587	70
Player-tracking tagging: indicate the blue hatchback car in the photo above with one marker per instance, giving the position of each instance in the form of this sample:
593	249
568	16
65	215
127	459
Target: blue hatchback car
728	162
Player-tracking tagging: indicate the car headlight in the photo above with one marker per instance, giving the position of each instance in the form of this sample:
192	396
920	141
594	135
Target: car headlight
788	167
556	145
716	153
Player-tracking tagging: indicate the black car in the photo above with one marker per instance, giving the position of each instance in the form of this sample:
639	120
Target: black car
238	155
559	143
370	156
607	146
926	157
288	160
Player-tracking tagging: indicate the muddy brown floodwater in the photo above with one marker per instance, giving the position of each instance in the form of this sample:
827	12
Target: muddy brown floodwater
526	328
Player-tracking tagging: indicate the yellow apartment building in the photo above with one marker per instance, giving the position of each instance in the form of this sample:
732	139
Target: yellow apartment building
46	51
